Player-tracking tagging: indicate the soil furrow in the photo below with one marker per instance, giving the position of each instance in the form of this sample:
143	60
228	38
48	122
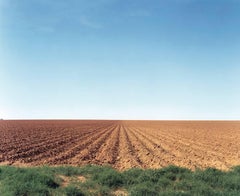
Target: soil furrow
127	157
77	148
108	152
89	154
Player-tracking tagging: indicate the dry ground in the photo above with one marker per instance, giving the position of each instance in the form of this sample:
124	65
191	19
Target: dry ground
121	144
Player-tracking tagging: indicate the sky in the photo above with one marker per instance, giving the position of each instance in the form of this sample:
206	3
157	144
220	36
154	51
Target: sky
116	59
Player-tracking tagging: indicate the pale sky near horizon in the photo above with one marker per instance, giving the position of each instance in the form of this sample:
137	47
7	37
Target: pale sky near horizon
114	59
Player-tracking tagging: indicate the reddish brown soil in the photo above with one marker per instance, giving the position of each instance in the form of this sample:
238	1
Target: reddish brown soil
121	144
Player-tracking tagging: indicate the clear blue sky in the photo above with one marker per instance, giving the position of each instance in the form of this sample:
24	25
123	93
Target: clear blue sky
115	59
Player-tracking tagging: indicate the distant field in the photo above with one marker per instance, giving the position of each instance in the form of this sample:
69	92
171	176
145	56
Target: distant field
121	144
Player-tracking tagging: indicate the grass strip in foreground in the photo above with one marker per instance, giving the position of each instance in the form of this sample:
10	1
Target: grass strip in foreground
103	180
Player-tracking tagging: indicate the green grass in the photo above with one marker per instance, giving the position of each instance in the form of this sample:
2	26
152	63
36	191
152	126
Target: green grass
99	180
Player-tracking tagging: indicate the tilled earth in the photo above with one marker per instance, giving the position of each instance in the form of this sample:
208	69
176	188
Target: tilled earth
121	144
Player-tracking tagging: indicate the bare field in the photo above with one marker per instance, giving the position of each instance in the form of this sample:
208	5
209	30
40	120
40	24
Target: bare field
121	144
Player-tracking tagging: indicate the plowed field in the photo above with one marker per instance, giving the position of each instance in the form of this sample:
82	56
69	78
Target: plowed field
122	144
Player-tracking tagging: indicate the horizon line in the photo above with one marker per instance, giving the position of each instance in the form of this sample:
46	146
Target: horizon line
108	119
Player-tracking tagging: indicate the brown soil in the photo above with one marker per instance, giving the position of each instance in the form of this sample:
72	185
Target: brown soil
121	144
120	192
